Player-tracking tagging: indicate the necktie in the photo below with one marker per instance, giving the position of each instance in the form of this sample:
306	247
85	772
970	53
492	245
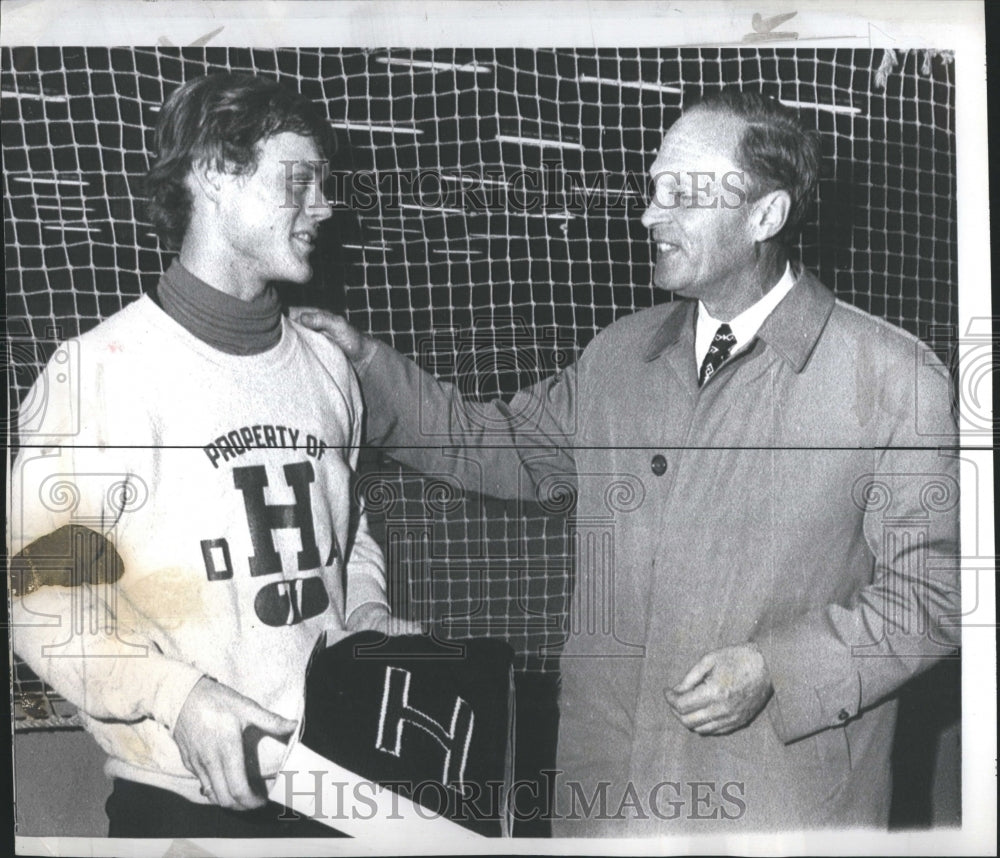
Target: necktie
718	353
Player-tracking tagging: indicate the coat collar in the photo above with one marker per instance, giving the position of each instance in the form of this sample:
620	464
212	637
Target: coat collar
792	329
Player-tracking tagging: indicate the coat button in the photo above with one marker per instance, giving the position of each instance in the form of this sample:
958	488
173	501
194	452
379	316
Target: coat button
658	465
843	715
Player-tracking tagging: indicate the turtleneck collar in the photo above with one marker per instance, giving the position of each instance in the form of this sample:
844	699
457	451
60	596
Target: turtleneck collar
226	323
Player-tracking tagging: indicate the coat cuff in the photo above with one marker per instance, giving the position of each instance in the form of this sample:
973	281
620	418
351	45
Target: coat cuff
803	703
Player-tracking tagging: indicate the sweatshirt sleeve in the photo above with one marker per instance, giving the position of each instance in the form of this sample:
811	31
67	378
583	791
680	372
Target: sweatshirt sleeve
68	492
103	665
365	561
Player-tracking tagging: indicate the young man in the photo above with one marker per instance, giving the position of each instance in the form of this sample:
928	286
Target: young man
789	561
192	469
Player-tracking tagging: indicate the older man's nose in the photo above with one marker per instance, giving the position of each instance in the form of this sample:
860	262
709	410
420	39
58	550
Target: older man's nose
655	213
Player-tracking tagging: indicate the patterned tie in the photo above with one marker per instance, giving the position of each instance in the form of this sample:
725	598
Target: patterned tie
718	353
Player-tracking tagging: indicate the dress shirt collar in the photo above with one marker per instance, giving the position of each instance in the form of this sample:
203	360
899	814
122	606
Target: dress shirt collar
792	329
746	324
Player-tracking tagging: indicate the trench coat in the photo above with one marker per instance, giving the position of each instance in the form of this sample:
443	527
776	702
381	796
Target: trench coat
805	499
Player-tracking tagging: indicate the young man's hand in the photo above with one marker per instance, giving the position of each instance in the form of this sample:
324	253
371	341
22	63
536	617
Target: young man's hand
210	734
352	342
375	617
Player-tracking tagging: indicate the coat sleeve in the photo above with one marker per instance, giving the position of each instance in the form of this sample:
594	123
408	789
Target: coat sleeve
493	448
68	498
835	661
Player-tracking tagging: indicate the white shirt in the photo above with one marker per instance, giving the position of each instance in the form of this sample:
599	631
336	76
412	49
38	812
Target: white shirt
745	325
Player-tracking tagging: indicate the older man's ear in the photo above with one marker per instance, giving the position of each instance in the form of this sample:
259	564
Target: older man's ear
771	214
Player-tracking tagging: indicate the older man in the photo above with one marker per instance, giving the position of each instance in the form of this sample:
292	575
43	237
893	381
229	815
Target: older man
779	565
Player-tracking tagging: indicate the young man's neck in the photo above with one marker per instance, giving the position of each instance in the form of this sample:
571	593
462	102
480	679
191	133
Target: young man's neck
220	273
217	318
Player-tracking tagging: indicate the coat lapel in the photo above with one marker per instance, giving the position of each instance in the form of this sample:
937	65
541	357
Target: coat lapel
673	344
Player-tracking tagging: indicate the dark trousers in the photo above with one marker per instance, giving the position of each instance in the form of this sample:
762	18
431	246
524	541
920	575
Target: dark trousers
138	810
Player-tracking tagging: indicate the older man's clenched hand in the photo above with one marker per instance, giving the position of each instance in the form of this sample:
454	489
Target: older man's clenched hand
723	692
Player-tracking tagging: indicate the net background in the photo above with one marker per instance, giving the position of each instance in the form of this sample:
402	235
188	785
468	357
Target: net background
491	296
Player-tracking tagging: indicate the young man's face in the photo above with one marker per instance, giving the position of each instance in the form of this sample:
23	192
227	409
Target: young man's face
269	219
699	215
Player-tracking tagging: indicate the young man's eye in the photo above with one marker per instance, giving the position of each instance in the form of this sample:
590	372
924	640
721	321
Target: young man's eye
300	189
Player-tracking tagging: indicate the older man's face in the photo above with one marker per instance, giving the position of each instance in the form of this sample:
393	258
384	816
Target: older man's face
699	216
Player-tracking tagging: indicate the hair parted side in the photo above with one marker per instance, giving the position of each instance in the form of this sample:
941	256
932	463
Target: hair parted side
221	119
776	151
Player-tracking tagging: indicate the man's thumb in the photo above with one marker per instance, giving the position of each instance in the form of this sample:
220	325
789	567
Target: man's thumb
271	724
317	320
696	674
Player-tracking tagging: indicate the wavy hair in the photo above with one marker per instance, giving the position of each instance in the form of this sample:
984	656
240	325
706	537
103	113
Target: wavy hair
776	151
221	119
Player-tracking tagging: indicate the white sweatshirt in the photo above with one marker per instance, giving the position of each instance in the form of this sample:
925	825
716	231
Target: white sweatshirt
224	482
